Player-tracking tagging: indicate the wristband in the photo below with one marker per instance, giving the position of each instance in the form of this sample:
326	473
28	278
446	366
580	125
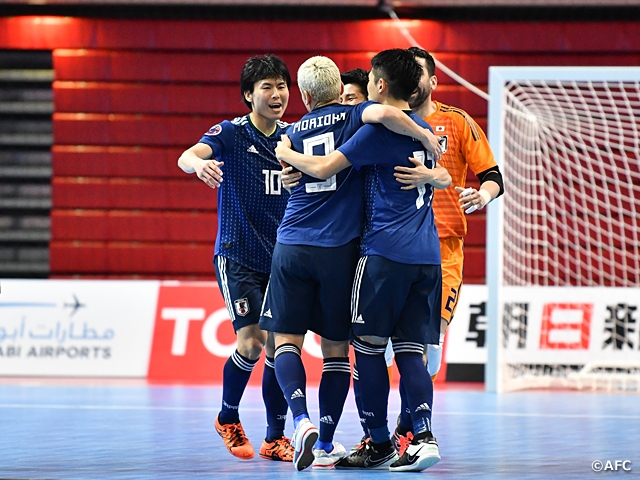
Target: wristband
486	196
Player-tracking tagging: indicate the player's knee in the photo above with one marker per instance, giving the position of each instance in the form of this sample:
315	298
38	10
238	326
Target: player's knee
374	340
251	346
332	349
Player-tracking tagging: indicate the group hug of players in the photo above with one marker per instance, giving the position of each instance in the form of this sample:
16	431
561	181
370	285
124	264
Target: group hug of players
348	249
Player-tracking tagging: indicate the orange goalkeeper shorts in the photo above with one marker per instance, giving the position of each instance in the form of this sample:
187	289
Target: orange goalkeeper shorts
452	262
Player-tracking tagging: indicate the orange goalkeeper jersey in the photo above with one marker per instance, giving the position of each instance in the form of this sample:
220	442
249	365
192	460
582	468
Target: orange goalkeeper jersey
464	144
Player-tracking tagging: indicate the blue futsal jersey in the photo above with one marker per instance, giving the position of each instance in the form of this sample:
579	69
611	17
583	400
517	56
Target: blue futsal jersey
325	213
399	224
251	200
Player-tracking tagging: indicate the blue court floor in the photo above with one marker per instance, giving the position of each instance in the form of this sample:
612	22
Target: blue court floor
131	430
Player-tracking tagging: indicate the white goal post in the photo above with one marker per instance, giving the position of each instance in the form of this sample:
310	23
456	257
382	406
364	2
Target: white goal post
563	243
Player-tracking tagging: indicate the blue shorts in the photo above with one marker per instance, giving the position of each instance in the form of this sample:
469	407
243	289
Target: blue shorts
242	289
397	300
310	290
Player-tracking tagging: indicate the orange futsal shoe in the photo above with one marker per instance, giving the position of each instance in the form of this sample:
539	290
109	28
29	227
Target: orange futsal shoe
280	449
235	440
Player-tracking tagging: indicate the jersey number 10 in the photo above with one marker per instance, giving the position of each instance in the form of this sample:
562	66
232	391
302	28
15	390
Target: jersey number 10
272	182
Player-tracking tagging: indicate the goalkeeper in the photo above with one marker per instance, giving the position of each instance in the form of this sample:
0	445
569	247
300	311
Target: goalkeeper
464	145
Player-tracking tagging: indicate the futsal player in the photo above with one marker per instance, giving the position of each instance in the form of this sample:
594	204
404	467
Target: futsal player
315	258
354	90
251	204
464	146
397	289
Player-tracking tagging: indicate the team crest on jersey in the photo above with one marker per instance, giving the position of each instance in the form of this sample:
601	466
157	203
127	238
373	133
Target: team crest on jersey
215	130
242	306
443	142
439	128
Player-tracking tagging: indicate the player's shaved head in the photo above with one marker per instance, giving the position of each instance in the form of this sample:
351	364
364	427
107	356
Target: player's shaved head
320	78
399	69
261	68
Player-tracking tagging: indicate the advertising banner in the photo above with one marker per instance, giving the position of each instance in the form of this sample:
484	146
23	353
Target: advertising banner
86	328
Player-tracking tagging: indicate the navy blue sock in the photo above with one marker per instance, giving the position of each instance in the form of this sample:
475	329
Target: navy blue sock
417	383
374	388
406	425
274	402
334	388
358	395
235	377
292	379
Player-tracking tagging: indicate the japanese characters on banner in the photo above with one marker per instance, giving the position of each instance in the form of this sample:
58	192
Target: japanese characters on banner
466	341
549	325
85	328
571	326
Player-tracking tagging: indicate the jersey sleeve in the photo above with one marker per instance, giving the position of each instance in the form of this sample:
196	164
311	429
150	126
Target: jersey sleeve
366	147
474	145
219	138
361	107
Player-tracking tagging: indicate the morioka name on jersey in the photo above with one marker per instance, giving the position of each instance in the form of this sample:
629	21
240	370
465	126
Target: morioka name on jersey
325	213
251	200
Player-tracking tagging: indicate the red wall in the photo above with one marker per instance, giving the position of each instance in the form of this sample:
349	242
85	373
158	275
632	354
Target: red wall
131	95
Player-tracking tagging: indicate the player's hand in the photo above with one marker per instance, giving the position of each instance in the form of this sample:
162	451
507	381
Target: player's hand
209	172
413	177
284	138
432	143
290	178
472	199
283	147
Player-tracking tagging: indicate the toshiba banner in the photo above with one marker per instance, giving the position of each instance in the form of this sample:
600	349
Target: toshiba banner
194	336
76	328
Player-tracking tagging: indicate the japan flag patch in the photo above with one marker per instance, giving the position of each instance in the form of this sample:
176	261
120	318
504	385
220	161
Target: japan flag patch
242	306
215	130
439	128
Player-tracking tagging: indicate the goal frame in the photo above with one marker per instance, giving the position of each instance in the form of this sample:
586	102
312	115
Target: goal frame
498	77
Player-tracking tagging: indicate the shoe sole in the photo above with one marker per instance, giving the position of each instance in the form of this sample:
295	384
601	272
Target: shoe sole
326	462
419	466
275	459
305	457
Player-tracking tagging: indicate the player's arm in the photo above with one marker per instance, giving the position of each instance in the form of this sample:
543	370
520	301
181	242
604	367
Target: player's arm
413	177
491	186
318	166
197	159
477	153
399	122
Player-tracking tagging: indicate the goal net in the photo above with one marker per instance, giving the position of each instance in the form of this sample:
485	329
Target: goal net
563	244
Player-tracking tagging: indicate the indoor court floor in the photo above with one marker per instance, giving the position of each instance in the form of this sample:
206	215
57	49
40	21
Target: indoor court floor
115	429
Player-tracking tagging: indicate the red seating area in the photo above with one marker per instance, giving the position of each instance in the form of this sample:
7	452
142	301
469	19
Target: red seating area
131	95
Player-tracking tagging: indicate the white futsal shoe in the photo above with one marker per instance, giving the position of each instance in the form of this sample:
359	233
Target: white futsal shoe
328	460
304	438
420	455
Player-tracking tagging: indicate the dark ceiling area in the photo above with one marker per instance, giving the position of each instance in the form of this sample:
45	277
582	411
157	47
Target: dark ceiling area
285	12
